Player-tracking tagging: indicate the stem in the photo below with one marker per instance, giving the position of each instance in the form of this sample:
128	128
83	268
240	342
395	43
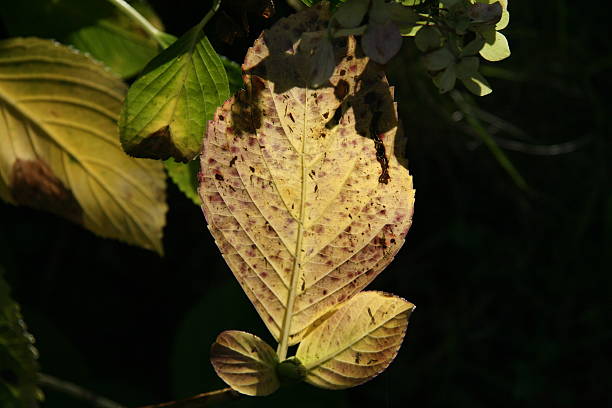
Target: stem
132	13
210	14
488	140
207	399
76	391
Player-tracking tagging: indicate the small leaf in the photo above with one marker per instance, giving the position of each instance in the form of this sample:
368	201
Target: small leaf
60	148
357	342
411	31
439	59
18	356
477	84
381	41
166	109
496	46
473	47
234	74
485	13
467	67
245	362
445	80
428	38
323	62
402	16
351	13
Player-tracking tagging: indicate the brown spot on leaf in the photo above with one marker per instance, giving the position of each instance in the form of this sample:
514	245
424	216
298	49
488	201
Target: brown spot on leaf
219	177
34	184
158	145
231	163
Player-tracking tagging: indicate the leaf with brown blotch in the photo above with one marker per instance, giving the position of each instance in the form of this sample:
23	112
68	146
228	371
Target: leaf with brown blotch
59	144
357	342
300	187
245	362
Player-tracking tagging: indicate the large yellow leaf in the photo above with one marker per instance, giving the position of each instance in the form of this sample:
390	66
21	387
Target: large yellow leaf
357	342
59	144
301	187
245	362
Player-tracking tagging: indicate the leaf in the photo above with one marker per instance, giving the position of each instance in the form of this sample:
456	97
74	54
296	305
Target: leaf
496	46
301	188
445	80
477	84
428	38
60	149
93	26
351	13
245	362
185	175
467	67
381	41
324	62
166	109
439	59
18	357
357	342
485	13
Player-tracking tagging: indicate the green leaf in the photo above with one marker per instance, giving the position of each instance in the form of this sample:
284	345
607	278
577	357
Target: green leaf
166	109
477	84
92	26
185	176
439	59
381	41
18	357
496	46
473	47
324	62
245	362
357	342
467	67
60	148
445	80
428	38
351	13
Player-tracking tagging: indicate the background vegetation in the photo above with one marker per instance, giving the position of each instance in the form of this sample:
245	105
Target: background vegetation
510	281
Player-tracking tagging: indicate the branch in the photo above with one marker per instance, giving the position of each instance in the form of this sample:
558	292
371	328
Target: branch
207	399
76	391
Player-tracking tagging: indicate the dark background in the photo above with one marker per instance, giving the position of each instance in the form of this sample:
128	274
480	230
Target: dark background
512	285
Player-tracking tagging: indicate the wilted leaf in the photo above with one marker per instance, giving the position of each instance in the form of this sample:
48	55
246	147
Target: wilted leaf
301	188
381	41
428	38
245	362
496	46
60	148
357	342
166	109
93	26
18	357
351	13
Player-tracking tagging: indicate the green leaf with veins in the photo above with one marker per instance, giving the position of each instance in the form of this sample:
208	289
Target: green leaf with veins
166	109
18	357
93	26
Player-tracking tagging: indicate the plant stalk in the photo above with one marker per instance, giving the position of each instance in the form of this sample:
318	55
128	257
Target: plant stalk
132	13
207	399
76	391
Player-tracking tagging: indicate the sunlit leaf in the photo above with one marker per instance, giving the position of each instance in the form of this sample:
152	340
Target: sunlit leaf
166	109
357	342
60	149
301	187
93	26
18	357
477	84
496	46
245	362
